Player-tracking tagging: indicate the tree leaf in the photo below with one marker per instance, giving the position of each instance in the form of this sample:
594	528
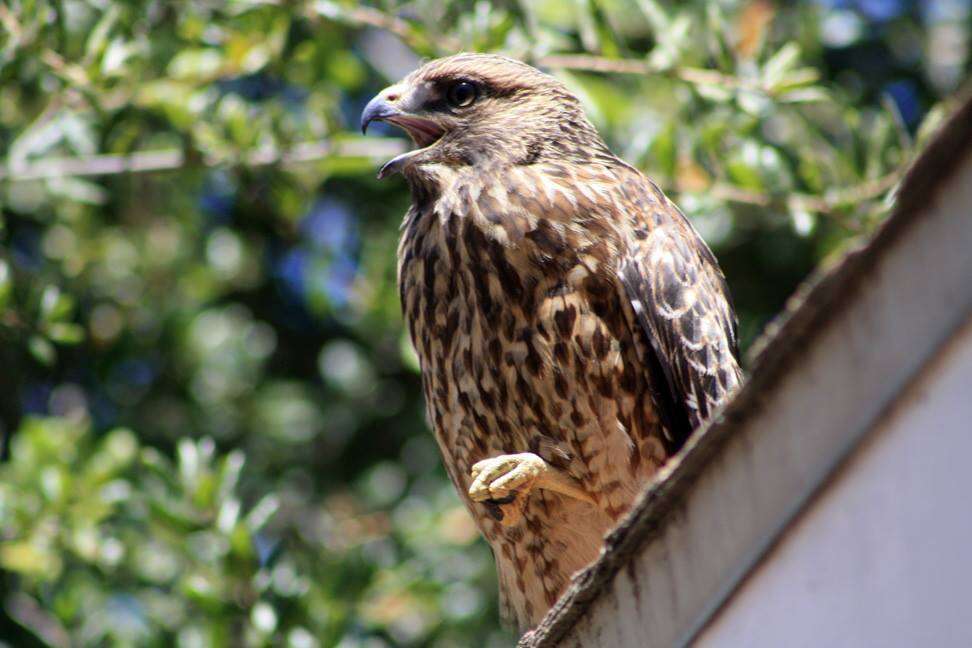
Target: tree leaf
42	350
65	333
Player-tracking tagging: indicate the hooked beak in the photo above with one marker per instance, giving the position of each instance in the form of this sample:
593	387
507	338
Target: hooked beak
378	109
424	132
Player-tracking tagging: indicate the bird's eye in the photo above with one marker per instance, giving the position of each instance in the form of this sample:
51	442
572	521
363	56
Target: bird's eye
462	94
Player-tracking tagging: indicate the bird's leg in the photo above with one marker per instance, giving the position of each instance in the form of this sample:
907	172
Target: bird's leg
499	478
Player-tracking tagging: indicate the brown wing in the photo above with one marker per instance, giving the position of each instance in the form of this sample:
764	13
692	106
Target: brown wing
681	302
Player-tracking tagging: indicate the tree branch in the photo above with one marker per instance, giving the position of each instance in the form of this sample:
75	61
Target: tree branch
360	16
168	159
696	76
829	203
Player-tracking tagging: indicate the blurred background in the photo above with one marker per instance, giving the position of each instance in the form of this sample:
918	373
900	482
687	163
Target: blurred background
213	430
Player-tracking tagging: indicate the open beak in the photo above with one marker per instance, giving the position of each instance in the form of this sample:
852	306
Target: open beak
424	132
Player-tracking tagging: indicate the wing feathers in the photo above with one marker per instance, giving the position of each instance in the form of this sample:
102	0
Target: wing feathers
681	303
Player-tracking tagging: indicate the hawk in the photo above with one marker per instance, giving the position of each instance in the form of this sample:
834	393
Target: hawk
571	325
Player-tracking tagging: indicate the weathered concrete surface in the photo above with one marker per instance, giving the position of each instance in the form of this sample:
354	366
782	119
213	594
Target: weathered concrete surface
880	556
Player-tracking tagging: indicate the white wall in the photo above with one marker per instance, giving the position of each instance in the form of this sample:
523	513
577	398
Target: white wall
883	556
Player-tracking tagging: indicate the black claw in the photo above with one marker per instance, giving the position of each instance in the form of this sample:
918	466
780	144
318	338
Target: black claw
494	510
503	500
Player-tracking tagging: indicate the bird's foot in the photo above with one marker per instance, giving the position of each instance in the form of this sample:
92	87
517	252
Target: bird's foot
499	477
502	484
508	478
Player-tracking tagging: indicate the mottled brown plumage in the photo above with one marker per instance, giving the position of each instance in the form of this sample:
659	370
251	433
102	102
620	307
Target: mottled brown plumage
572	327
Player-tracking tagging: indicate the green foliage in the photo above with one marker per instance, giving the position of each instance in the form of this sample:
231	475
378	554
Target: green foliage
215	423
111	540
171	536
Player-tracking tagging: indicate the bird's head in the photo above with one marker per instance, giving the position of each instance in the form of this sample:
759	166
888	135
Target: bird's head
482	110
